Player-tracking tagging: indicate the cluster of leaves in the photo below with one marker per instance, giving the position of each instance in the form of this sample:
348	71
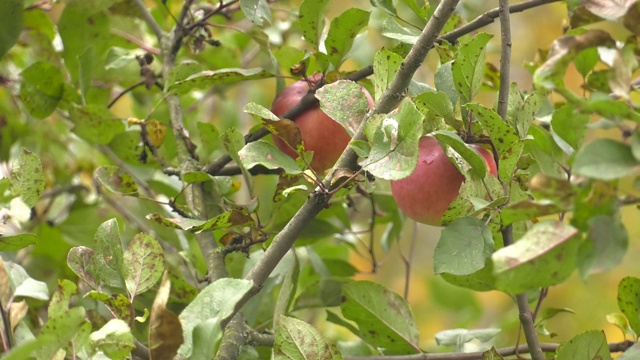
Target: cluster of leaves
99	159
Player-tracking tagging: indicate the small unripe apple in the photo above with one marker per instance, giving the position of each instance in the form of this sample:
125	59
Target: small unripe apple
426	194
320	133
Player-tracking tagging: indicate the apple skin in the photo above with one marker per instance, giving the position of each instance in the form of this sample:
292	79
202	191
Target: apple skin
320	133
426	194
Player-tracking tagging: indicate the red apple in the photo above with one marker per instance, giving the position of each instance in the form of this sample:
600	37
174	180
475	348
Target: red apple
320	133
425	195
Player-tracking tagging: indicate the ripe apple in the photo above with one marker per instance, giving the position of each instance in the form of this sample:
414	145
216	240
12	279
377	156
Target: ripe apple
320	133
425	195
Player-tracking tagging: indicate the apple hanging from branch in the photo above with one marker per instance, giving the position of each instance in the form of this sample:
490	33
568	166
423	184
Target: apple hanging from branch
425	195
320	133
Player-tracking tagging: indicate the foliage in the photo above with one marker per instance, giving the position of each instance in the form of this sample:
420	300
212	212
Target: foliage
137	220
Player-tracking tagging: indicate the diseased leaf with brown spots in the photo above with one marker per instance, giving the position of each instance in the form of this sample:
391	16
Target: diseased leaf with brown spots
116	180
143	263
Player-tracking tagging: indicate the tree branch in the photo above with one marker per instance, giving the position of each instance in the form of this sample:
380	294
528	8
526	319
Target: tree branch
146	15
319	199
510	351
505	59
526	318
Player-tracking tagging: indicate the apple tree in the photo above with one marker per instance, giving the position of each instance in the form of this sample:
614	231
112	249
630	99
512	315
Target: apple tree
156	206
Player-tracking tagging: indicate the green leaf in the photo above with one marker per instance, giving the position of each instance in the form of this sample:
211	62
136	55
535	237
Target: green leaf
208	79
233	142
527	210
114	339
256	11
635	145
11	20
588	345
118	304
217	300
444	82
41	88
393	30
108	255
523	116
27	179
325	292
568	128
229	218
85	68
95	124
586	60
312	20
209	136
605	246
183	71
287	291
83	25
478	165
17	242
468	68
143	263
481	280
463	248
266	154
342	32
385	5
118	58
288	56
629	301
504	138
438	104
116	180
385	65
23	285
194	177
81	261
59	330
345	102
384	318
605	159
544	256
260	112
295	339
206	339
394	153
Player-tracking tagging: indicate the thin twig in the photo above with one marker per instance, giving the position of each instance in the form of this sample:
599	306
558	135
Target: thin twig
510	351
123	92
505	58
144	46
372	226
146	15
526	319
407	260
